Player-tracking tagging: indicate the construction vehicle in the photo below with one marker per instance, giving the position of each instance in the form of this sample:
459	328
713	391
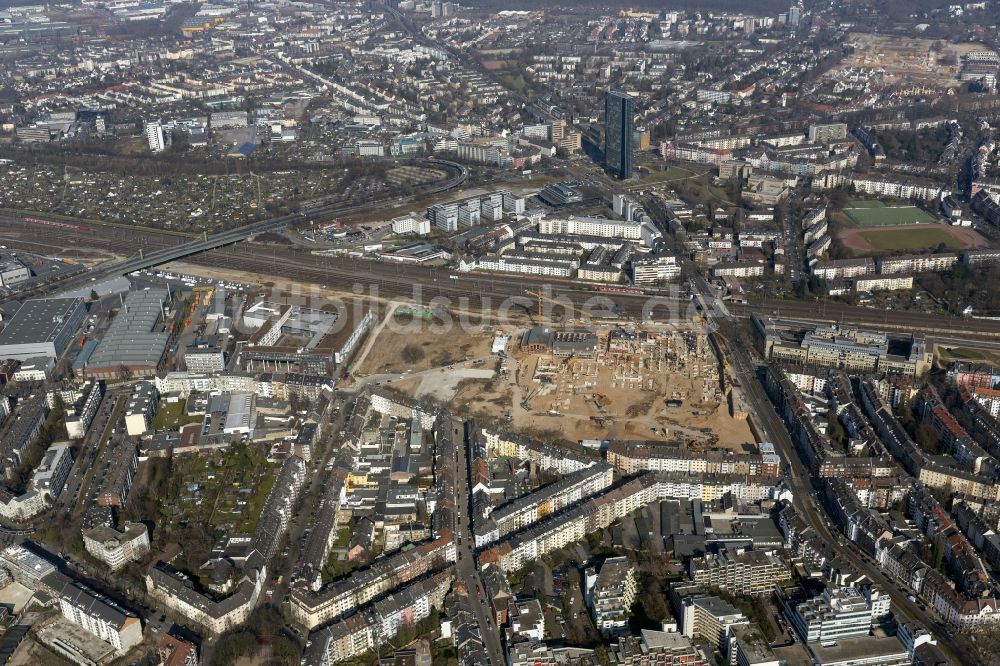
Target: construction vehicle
526	403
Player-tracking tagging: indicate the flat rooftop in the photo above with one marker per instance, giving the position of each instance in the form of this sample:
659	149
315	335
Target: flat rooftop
38	320
863	649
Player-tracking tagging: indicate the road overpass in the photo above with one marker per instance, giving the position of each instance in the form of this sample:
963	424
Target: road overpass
210	242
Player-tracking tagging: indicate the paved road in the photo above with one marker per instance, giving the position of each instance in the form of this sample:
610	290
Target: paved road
283	565
467	571
745	370
119	401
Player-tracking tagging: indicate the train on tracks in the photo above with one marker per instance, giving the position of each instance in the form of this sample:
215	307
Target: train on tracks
74	226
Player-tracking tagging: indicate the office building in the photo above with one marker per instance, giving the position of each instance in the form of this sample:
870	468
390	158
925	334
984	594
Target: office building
205	355
619	114
559	194
411	224
34	370
651	271
849	348
12	272
839	612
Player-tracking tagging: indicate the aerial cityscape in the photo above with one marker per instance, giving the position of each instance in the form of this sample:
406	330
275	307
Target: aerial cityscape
499	333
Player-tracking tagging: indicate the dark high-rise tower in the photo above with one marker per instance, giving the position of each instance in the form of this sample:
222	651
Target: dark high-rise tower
619	114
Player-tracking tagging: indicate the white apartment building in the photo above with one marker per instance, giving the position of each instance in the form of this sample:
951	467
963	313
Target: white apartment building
843	268
738	269
117	548
411	224
107	622
83	413
896	189
884	283
610	594
917	263
524	511
140	409
591	226
156	137
525	265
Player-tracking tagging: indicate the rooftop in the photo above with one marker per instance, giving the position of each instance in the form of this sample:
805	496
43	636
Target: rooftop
38	320
131	340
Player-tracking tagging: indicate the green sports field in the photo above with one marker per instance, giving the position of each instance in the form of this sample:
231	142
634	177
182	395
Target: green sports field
909	239
881	215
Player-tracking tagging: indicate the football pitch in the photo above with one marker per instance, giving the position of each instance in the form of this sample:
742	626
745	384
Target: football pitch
877	214
909	239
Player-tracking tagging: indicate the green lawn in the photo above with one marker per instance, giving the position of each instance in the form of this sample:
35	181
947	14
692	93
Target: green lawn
909	239
984	356
866	203
889	216
171	416
671	173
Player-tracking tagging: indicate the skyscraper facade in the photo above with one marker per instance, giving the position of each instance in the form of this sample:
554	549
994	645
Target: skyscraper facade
619	114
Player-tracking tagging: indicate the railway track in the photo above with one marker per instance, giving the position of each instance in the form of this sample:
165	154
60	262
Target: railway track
479	290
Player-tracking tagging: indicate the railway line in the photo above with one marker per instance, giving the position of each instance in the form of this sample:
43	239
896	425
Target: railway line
151	256
474	291
398	280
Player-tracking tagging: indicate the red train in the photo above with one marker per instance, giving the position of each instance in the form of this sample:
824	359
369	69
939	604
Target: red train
620	290
54	223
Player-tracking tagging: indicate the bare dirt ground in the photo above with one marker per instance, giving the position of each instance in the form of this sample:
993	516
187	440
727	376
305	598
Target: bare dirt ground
278	285
414	344
590	399
633	399
908	58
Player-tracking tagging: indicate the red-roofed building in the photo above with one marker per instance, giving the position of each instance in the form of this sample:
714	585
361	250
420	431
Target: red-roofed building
177	652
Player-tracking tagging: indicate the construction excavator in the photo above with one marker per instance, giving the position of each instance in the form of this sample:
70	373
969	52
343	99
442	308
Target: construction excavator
526	403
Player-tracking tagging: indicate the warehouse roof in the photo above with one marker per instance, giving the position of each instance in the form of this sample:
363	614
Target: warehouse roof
130	340
38	320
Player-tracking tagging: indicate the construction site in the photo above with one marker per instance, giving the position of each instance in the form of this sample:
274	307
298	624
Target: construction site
613	382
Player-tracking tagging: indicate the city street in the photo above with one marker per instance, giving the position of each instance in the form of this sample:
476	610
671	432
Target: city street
466	569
